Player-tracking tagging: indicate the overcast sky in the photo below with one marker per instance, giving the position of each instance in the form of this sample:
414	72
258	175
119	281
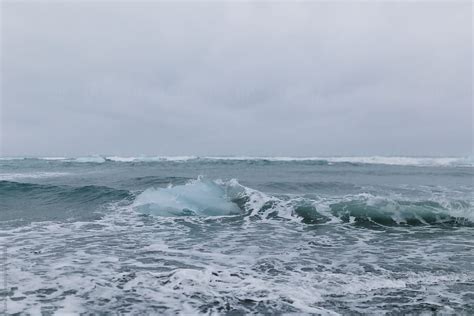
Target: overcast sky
300	79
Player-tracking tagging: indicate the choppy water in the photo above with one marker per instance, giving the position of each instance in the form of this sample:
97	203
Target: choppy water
235	236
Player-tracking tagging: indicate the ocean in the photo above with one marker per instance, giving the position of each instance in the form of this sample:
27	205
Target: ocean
237	235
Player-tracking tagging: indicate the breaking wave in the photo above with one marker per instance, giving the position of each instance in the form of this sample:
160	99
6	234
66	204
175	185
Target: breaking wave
204	197
199	197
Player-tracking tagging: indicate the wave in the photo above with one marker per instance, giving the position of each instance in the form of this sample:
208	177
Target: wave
203	197
26	202
61	193
368	209
395	161
377	160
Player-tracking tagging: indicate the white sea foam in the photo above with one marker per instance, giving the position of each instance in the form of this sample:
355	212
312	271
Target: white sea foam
406	161
122	159
150	158
197	266
32	175
53	158
91	159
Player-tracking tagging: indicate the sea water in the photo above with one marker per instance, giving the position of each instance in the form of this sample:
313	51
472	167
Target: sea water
237	235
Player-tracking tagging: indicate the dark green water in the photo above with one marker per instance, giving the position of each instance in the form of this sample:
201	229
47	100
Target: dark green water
238	236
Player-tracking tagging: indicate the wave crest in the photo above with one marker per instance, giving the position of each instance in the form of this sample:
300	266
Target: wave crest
199	197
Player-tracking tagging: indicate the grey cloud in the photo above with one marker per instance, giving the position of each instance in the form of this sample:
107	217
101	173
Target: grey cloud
236	78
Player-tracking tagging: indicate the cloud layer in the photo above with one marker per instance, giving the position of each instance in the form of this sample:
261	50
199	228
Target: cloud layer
297	79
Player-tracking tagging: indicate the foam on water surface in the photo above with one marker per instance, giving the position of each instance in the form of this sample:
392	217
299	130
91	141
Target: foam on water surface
129	263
